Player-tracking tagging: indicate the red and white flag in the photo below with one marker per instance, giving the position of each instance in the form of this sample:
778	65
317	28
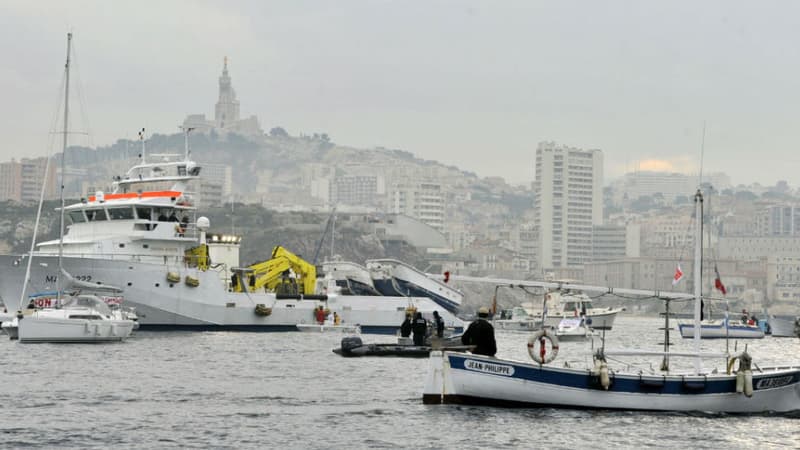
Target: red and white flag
678	275
718	282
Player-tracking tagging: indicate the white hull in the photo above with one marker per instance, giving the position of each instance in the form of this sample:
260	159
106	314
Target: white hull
517	325
717	330
601	319
49	329
316	328
784	326
164	305
475	379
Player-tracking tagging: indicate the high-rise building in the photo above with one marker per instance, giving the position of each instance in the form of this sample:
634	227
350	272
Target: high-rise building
226	113
568	195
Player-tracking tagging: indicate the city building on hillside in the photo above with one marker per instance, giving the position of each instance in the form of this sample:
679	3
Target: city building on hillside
669	185
215	186
568	201
226	113
421	200
749	248
778	220
21	181
363	190
611	242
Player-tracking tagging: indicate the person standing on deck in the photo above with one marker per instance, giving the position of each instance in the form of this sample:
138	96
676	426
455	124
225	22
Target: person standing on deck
420	328
481	334
439	322
405	327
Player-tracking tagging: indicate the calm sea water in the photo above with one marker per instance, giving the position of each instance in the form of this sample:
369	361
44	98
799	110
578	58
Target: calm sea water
271	390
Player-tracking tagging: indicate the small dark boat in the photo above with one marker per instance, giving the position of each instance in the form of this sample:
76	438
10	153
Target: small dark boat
354	346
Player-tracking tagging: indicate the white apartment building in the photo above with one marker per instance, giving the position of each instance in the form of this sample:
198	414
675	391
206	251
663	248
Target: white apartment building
421	200
669	185
568	192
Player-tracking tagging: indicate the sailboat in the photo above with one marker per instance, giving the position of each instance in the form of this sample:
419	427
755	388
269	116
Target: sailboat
740	386
78	317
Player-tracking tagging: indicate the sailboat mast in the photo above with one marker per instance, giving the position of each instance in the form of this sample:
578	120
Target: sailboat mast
63	165
698	286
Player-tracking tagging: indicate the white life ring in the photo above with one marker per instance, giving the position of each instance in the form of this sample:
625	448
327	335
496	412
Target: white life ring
541	356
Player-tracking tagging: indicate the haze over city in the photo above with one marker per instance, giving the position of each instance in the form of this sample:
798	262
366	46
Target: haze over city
476	84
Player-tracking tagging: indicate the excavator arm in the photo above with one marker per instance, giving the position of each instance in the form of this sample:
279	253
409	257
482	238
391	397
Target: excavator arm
271	274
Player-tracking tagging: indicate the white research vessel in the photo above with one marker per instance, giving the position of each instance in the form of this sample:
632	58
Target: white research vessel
148	241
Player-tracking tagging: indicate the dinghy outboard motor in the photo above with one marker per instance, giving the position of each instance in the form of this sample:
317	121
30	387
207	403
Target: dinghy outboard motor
351	342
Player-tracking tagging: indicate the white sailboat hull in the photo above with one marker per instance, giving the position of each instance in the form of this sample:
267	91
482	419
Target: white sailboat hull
476	379
718	330
50	329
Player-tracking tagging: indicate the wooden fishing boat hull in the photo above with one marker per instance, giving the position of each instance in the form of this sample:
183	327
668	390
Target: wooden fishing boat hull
473	379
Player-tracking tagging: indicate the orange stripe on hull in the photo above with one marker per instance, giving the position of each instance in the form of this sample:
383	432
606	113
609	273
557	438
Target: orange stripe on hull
152	194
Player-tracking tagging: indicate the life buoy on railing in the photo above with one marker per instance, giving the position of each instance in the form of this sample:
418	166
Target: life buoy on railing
541	356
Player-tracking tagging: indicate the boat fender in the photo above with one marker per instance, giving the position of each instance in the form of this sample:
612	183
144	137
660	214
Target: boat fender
542	357
748	383
173	277
605	381
739	382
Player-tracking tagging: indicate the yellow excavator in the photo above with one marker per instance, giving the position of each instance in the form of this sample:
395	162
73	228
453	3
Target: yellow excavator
274	274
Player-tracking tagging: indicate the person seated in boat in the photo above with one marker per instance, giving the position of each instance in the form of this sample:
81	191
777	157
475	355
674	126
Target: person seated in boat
439	322
753	320
480	333
405	327
420	329
744	316
320	315
173	217
337	319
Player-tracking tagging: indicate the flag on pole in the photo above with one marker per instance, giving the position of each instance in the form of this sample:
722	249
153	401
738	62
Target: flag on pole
678	275
718	282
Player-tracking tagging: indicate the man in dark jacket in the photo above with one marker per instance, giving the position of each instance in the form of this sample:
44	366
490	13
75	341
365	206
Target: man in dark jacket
405	327
420	328
439	322
481	334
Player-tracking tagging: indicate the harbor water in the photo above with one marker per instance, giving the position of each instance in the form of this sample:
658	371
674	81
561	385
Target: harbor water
288	390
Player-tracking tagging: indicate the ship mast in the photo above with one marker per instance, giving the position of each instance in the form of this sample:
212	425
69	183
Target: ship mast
59	277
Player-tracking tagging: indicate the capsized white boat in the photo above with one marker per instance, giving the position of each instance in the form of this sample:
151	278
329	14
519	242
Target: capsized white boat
475	379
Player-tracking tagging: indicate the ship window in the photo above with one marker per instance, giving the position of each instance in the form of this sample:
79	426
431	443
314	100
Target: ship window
144	213
96	214
120	213
77	217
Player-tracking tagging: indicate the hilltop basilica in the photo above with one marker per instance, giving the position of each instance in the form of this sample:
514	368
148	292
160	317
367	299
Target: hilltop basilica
226	113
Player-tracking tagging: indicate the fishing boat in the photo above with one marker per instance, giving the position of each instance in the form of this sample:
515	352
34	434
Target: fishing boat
566	303
735	388
349	277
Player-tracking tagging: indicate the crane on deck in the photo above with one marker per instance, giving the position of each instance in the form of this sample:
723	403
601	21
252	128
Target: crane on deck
275	274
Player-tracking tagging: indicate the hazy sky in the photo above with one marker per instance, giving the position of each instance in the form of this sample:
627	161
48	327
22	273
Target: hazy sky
472	83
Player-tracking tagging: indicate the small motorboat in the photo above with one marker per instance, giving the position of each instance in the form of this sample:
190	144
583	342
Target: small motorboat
354	346
721	329
328	328
573	330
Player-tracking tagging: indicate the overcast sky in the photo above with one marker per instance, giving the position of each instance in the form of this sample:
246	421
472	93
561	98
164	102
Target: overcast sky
476	84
